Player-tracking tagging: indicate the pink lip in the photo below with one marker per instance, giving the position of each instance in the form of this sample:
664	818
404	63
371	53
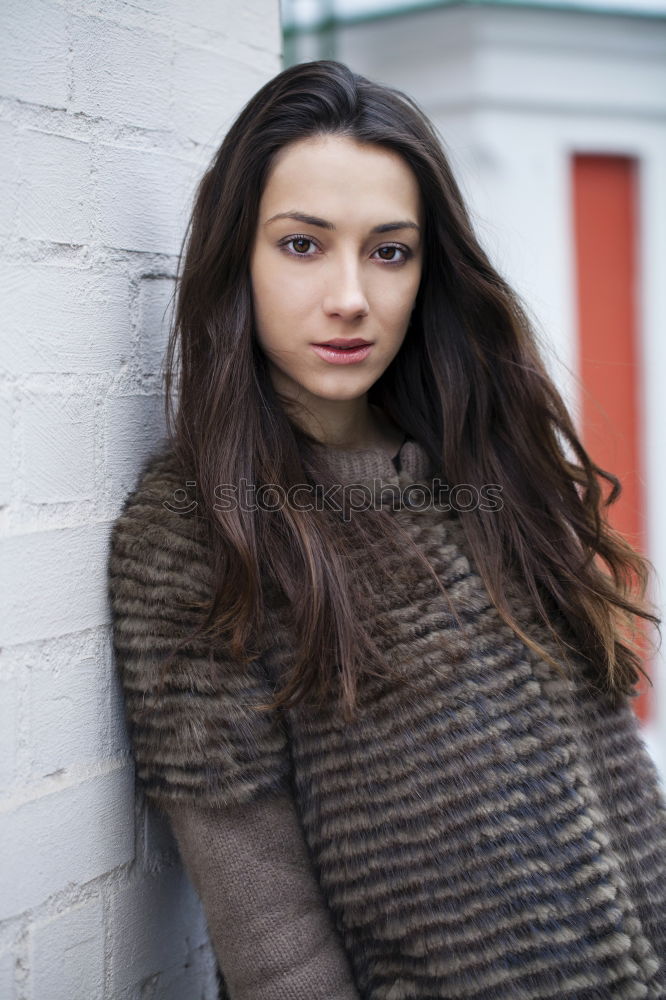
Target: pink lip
350	356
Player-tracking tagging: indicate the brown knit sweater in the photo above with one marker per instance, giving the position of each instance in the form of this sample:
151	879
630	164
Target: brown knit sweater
490	830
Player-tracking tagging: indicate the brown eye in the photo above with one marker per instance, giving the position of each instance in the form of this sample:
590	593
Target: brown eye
393	254
298	246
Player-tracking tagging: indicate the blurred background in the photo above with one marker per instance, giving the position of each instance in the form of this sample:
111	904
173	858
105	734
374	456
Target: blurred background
552	115
554	119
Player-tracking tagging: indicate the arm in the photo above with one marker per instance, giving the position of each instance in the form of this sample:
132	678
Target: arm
212	763
268	922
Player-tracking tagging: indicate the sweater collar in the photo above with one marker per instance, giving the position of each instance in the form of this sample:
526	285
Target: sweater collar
376	470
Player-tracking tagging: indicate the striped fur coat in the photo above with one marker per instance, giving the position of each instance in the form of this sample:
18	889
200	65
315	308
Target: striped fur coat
492	830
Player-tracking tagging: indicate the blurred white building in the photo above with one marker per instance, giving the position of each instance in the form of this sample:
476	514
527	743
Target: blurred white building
554	118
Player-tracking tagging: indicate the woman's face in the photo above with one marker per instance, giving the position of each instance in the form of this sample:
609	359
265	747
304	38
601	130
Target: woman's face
337	255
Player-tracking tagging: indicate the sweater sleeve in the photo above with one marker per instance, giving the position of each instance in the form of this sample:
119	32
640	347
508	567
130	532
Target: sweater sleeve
195	729
269	925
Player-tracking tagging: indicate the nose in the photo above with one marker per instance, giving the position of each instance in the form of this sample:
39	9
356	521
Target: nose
345	295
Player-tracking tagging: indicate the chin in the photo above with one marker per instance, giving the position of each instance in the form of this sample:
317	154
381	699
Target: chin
349	389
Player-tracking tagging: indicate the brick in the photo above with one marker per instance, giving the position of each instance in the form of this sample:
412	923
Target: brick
67	715
68	837
134	431
9	706
7	975
144	199
197	979
254	23
156	310
9	177
154	924
210	91
59	447
56	188
120	73
6	437
64	319
54	582
33	52
223	18
67	955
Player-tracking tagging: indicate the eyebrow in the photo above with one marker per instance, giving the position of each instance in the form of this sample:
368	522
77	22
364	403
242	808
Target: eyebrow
313	220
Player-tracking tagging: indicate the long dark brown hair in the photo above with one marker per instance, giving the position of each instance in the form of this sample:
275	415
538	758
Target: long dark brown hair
468	384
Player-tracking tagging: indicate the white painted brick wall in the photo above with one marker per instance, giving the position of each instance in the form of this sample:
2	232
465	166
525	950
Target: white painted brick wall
7	980
109	113
67	953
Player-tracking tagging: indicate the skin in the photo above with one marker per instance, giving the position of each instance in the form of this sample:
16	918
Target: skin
312	283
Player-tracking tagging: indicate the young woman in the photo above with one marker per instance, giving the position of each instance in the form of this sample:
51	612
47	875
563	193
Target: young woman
376	637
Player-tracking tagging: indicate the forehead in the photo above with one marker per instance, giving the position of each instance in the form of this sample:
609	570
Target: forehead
337	174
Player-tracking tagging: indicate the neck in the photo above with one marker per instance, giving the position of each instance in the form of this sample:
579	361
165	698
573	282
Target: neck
351	424
378	432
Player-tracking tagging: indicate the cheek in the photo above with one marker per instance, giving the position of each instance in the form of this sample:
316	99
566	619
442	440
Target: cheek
267	300
278	292
278	308
395	303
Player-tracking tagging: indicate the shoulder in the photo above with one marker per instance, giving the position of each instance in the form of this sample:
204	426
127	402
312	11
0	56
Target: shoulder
162	503
159	536
158	573
192	709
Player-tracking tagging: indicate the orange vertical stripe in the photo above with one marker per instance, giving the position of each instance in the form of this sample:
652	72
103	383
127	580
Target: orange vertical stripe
605	226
